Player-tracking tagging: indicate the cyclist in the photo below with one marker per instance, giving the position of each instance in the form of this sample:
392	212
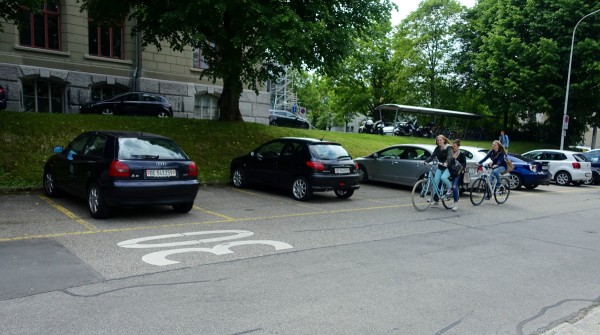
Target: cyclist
498	164
462	159
443	154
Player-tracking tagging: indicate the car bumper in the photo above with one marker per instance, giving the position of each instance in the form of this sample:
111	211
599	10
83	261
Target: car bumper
333	182
537	178
581	175
124	193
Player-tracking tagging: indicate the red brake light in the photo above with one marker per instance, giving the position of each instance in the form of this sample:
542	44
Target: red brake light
479	169
193	169
356	166
315	165
118	169
533	168
576	165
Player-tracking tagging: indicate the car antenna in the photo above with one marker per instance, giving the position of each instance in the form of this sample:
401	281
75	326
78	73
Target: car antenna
322	138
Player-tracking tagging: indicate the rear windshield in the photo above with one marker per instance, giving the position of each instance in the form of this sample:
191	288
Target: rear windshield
149	148
523	158
580	158
329	151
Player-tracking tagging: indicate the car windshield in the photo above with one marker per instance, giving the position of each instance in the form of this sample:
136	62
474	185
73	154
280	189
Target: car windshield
580	158
329	151
520	157
149	148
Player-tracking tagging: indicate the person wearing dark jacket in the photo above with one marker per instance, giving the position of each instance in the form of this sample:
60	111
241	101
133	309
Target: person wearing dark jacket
443	154
497	155
462	159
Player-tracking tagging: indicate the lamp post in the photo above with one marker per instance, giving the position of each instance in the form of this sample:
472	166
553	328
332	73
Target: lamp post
565	117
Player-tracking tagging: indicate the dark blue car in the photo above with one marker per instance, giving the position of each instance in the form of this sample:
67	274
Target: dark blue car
527	173
594	158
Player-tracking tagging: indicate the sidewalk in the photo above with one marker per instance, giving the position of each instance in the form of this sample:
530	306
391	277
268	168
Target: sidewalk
589	324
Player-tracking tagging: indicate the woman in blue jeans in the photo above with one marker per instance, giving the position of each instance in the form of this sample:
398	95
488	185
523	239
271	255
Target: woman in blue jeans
443	154
498	164
462	159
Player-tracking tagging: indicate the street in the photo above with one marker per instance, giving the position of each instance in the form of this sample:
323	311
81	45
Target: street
255	261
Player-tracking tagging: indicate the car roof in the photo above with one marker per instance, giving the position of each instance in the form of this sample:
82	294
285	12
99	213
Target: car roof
555	150
309	140
117	133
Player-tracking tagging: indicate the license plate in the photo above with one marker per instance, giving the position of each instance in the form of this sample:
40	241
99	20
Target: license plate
342	170
472	171
545	167
161	173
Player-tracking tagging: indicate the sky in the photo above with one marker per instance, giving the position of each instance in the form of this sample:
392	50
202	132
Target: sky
407	6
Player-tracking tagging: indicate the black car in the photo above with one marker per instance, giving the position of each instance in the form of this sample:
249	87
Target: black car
287	119
132	103
110	168
2	98
302	165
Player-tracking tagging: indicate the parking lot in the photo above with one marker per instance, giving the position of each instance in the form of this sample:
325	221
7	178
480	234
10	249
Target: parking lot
532	244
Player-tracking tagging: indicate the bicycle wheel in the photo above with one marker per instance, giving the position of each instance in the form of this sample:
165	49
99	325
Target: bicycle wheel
502	194
448	201
478	191
422	195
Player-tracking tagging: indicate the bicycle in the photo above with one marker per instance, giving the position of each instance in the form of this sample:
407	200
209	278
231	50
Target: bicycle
424	192
482	188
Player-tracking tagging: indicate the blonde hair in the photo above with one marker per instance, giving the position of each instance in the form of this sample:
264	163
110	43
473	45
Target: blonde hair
446	140
500	146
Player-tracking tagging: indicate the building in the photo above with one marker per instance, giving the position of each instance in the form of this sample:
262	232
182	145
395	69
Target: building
62	59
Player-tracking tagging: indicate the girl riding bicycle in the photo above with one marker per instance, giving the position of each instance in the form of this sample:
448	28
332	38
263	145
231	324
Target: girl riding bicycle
443	154
497	155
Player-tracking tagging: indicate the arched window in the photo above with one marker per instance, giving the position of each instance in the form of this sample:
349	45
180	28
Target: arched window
105	41
42	30
43	96
206	106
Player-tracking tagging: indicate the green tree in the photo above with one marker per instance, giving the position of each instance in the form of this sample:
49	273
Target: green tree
425	48
520	55
12	10
248	42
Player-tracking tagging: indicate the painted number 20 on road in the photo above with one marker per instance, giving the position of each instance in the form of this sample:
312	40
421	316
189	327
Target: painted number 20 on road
159	258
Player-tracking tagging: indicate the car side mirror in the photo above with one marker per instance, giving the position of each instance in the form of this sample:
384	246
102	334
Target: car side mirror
375	155
57	150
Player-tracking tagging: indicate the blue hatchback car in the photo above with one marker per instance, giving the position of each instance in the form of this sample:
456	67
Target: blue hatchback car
527	173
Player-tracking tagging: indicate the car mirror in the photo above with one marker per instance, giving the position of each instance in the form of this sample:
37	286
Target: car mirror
57	150
375	155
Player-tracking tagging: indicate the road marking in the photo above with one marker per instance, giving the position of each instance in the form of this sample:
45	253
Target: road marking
214	213
69	214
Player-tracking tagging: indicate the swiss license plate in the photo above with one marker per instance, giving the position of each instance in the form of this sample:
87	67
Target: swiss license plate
161	173
342	170
472	170
545	167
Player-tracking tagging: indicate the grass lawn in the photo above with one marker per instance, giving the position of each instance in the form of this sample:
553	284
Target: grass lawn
27	139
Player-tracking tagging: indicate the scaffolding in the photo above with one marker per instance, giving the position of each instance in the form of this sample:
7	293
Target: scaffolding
283	96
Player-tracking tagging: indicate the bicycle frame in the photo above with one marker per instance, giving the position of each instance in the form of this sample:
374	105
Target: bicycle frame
425	192
480	192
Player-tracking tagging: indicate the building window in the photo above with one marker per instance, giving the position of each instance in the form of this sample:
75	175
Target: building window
206	107
102	92
105	41
42	30
43	96
199	61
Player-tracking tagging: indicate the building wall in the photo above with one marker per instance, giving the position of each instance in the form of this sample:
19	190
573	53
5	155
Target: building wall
167	72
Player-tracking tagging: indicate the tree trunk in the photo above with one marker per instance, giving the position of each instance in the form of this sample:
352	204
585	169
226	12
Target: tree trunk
229	103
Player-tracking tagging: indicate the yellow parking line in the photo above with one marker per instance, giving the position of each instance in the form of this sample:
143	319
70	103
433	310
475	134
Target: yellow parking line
215	214
69	214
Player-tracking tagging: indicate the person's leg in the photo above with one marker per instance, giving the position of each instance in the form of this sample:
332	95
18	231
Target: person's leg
445	180
455	185
496	172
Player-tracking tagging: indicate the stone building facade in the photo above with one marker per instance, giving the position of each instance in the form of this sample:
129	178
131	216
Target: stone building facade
62	60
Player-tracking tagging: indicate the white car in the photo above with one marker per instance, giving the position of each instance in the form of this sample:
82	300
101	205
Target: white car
473	155
564	166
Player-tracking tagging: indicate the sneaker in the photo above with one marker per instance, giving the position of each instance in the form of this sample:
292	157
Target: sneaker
455	208
487	196
449	192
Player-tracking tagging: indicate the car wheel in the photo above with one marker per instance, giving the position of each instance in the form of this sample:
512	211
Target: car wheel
344	194
96	204
515	181
562	178
238	178
531	186
183	208
107	111
364	176
589	181
301	189
164	114
50	185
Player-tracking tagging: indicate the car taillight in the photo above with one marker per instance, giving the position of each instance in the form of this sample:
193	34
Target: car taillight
1	90
533	168
193	170
356	166
479	169
315	165
118	169
576	165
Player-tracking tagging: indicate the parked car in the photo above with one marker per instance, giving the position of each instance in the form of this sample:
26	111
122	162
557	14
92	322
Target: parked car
132	103
594	157
473	155
564	166
110	168
527	173
2	98
287	119
302	165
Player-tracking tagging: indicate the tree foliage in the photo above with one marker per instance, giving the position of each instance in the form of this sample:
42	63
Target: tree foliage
520	55
12	10
248	42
